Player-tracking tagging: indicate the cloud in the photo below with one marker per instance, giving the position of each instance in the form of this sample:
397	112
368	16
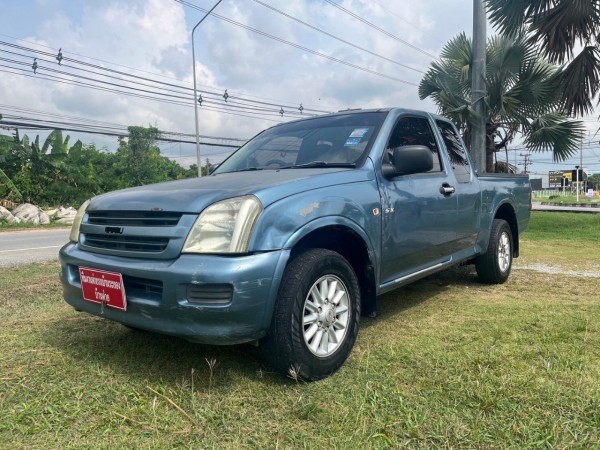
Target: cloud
152	38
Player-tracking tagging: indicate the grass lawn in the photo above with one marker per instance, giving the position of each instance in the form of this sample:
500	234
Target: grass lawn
449	363
5	226
569	199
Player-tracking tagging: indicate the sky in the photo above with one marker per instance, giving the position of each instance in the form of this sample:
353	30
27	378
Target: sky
279	55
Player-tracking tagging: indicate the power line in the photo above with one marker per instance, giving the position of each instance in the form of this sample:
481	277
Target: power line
78	121
289	16
381	30
308	108
222	109
290	110
298	46
233	99
35	125
408	22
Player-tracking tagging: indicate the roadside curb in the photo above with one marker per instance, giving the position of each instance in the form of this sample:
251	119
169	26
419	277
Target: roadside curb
577	205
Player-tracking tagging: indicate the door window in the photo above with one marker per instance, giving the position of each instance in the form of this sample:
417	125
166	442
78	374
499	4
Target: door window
456	152
413	131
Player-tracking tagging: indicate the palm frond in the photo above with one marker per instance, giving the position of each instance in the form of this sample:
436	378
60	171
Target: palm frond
554	132
580	80
559	28
509	16
523	93
458	49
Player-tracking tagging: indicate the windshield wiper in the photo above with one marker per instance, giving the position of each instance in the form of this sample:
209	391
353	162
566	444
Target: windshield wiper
323	164
248	169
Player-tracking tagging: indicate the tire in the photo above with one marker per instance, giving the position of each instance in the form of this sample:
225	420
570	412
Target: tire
494	265
301	341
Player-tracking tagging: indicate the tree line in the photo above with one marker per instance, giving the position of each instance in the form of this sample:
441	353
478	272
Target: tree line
56	173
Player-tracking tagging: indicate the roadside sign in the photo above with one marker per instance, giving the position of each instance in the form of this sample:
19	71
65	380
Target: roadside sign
555	179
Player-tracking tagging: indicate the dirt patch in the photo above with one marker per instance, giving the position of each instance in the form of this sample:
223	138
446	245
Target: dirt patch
558	270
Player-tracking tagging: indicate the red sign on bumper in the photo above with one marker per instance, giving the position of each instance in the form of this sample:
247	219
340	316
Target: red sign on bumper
100	286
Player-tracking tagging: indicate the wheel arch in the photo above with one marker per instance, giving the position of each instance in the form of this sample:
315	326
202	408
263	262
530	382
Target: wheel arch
507	212
349	243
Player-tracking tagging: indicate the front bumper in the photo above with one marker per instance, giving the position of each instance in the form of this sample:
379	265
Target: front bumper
159	299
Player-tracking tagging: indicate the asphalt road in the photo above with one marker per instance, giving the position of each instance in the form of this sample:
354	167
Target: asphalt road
575	209
25	247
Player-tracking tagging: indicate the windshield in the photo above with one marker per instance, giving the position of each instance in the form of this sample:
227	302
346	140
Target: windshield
332	141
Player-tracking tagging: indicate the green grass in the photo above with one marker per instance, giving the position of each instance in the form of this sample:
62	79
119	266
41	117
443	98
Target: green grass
551	226
449	363
5	226
568	199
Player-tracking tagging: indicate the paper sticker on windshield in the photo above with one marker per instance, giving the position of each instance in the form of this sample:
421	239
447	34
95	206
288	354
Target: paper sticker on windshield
352	142
359	132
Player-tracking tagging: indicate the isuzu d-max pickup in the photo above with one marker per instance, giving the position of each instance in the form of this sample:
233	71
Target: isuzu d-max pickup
294	235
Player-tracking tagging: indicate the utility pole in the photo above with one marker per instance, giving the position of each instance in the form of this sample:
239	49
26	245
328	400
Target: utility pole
577	182
199	162
526	161
478	90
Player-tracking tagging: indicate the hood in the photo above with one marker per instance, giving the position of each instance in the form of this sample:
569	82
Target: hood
194	194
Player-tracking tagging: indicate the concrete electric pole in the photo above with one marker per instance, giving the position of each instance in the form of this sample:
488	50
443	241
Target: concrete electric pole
478	91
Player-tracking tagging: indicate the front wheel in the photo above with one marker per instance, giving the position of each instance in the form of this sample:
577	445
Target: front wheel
316	318
494	265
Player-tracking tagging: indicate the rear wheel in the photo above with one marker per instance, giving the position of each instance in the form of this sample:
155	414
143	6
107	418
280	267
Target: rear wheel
495	264
316	317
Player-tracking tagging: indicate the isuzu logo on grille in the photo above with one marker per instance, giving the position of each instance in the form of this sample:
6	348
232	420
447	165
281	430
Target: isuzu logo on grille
113	230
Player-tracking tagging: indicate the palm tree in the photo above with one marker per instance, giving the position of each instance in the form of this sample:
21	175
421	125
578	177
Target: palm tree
522	96
565	32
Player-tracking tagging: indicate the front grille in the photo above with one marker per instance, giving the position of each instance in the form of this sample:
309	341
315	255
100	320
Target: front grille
134	218
147	244
135	234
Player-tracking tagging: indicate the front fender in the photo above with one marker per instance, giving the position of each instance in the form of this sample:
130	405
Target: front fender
324	222
354	205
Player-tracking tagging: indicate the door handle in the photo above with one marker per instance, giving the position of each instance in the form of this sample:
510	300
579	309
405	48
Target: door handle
447	190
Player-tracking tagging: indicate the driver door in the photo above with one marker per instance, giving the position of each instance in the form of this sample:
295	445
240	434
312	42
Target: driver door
418	219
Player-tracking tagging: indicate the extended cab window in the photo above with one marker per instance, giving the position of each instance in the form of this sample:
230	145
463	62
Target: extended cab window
413	131
456	152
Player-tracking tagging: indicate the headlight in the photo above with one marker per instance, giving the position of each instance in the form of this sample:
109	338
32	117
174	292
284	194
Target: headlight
74	236
224	227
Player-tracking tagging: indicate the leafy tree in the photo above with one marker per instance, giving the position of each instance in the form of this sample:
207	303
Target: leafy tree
522	96
192	171
563	31
55	173
8	189
594	181
139	157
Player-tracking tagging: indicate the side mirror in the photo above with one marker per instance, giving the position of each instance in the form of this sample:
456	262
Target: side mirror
408	159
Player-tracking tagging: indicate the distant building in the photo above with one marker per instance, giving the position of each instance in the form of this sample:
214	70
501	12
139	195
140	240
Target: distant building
536	184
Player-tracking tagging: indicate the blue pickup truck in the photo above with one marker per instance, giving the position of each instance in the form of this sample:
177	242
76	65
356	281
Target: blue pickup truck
295	235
